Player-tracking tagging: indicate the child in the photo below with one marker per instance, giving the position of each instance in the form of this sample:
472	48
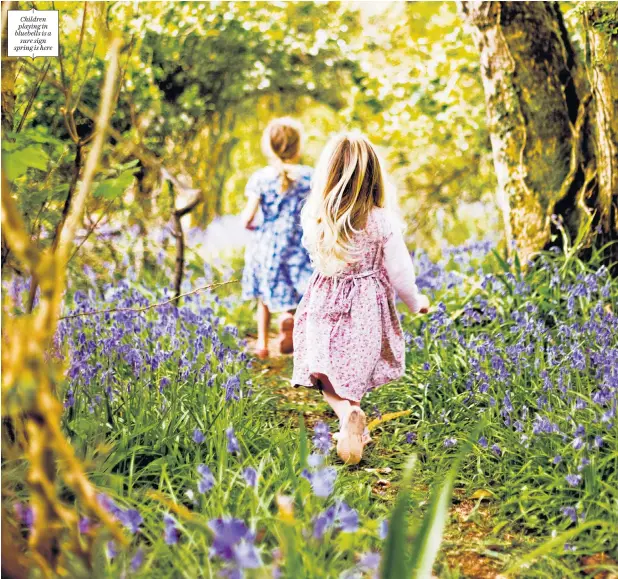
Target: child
347	336
277	266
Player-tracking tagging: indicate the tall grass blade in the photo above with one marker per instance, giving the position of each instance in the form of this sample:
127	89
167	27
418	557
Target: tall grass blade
394	556
427	543
549	546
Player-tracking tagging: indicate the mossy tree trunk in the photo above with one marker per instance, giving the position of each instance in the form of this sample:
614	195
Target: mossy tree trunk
538	111
601	21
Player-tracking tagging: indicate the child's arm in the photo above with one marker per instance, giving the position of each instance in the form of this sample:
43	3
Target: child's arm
400	269
250	210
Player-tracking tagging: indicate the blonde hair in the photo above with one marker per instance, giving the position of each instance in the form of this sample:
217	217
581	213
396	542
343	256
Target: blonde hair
348	184
282	141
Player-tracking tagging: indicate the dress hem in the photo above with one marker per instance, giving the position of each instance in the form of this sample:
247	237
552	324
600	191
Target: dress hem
339	391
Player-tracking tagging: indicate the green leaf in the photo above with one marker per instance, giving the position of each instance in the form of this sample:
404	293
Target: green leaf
113	188
17	162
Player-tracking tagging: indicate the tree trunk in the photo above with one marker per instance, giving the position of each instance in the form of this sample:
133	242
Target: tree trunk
534	116
602	47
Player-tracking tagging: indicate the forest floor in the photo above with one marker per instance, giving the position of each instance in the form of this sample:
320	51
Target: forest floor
473	544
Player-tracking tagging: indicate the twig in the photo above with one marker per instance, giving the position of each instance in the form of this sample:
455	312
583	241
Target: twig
33	96
91	229
139	310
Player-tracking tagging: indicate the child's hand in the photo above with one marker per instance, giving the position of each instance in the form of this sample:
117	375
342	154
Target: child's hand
424	304
249	225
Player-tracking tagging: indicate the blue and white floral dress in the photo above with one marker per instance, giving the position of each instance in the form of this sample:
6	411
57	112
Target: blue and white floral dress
277	266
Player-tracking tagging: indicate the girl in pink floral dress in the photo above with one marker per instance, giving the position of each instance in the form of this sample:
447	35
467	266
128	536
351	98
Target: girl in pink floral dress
347	334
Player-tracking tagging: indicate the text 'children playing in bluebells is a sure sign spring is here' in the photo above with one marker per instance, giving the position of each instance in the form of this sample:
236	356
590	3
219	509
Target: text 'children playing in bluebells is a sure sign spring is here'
32	33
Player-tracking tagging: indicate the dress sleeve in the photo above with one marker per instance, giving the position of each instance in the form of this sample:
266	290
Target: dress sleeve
399	266
253	189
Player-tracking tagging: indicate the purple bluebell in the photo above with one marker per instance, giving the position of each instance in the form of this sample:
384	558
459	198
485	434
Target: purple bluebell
315	460
347	518
483	442
383	529
137	560
450	442
25	514
171	532
198	436
111	549
228	533
250	476
557	459
321	438
206	480
574	480
84	525
496	450
131	519
569	512
322	481
411	437
232	442
246	555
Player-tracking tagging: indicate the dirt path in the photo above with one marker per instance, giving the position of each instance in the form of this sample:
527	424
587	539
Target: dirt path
470	545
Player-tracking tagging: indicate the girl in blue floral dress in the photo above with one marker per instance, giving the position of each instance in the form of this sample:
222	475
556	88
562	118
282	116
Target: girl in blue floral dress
277	266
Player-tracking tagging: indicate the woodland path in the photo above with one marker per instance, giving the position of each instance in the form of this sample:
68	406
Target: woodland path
473	541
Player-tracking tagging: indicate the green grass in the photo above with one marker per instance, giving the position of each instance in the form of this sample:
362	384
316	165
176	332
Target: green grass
507	507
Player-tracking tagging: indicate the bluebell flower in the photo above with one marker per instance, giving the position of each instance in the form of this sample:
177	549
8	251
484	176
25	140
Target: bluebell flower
323	522
250	476
206	481
411	437
483	442
229	532
111	549
137	560
246	555
321	438
171	531
450	442
84	525
315	460
232	442
557	459
25	514
198	436
574	480
496	450
131	519
569	512
322	481
347	518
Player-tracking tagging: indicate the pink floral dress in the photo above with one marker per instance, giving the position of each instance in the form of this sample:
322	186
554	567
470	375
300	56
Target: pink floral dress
346	327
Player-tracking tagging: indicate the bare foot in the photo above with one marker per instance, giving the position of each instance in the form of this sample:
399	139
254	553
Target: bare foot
350	443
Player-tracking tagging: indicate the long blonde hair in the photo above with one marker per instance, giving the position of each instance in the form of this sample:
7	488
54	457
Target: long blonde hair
281	141
348	184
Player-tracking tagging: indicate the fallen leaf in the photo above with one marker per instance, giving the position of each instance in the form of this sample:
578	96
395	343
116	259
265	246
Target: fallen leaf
482	494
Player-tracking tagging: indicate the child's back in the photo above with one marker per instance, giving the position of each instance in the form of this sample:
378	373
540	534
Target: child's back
277	266
347	336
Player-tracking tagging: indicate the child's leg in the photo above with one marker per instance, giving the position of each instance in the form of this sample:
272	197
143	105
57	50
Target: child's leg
263	321
286	331
352	437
